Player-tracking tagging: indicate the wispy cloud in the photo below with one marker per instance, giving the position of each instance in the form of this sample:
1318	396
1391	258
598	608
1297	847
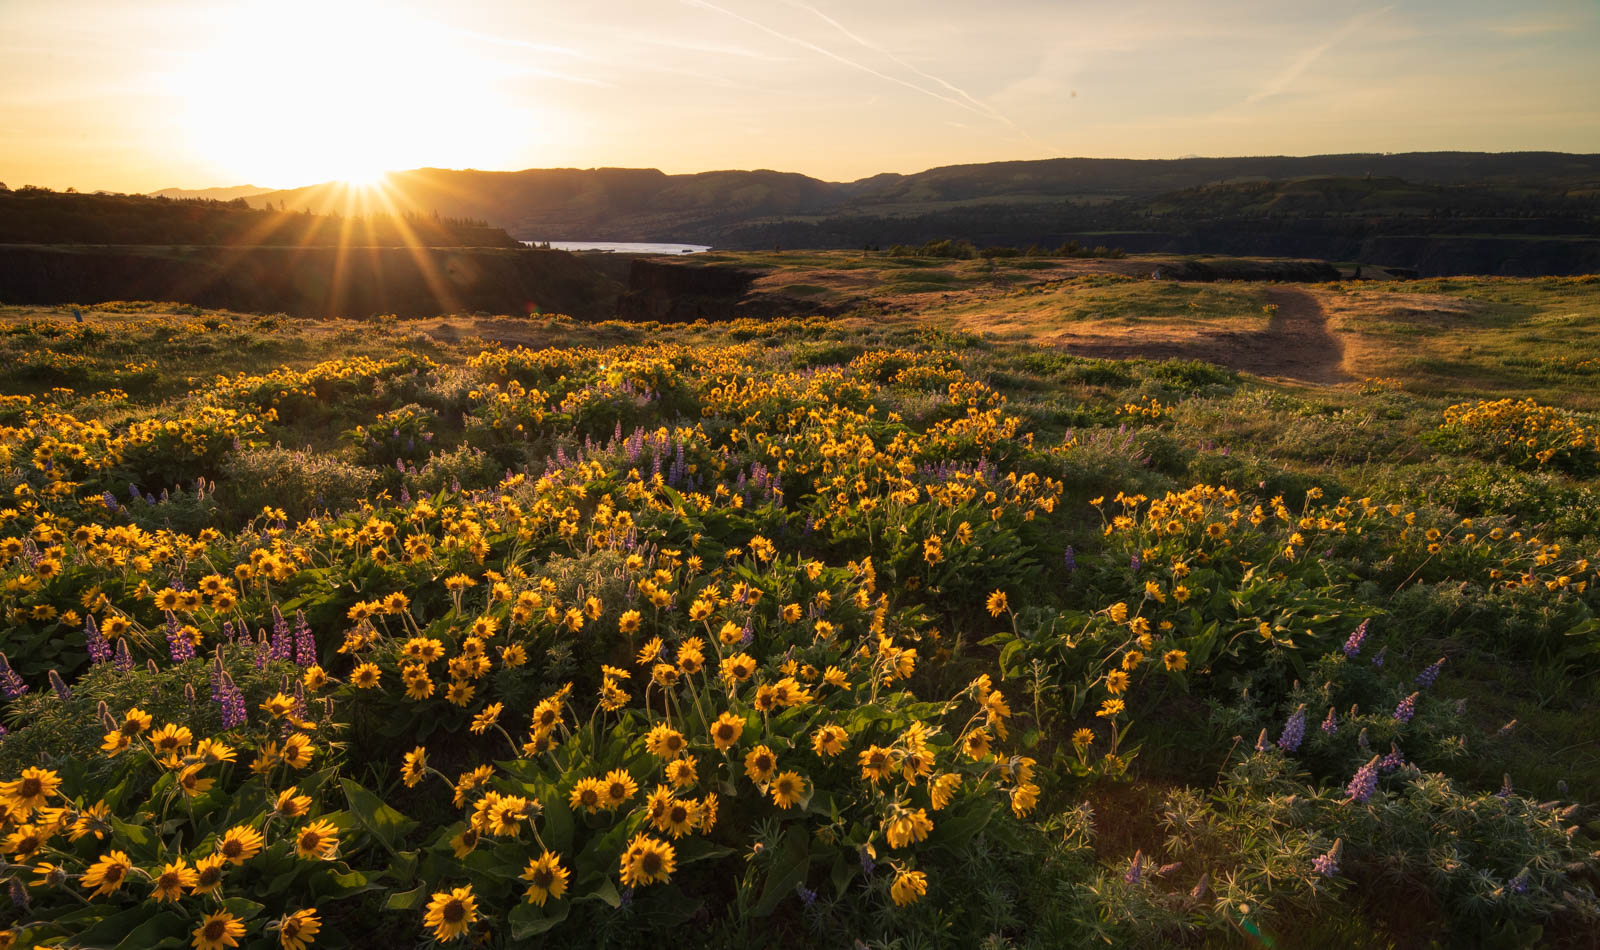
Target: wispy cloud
877	48
1534	27
836	57
1283	80
692	47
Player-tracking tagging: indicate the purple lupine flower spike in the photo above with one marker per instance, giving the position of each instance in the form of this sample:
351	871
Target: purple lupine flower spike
1330	722
1135	869
178	642
1327	864
1427	676
1294	731
305	645
1364	783
99	649
1406	709
1352	646
10	683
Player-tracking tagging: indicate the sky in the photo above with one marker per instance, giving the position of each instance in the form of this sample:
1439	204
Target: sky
138	95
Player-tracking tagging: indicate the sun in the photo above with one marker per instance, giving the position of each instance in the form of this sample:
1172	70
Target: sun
295	92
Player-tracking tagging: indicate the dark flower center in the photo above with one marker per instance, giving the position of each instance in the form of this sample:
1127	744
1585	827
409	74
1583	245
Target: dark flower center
214	930
650	863
542	878
454	912
31	788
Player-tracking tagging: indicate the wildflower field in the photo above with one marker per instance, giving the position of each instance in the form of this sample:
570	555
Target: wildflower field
867	631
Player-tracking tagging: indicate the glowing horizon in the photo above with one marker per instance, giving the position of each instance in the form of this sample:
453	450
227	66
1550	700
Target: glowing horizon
191	94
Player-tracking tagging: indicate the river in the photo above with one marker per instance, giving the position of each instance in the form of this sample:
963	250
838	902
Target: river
623	247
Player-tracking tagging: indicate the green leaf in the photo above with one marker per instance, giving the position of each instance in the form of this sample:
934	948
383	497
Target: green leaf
166	930
407	900
242	907
789	867
528	920
606	891
384	823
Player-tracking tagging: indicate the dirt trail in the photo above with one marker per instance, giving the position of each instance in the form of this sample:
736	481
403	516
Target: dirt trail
1294	345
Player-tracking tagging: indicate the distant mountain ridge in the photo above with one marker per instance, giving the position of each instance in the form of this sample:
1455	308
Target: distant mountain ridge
1329	206
212	194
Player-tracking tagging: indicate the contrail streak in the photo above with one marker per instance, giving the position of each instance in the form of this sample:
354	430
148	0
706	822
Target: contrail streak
1304	62
806	44
983	106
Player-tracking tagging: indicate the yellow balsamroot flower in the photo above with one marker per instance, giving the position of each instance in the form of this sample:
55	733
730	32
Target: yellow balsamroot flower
589	794
791	613
486	719
619	787
628	623
908	887
665	742
876	763
366	676
298	930
451	913
682	773
297	751
192	784
169	884
278	706
788	789
1118	612
171	739
1175	660
1116	682
647	861
1023	798
996	604
677	816
25	841
907	827
1110	708
546	878
318	840
291	805
217	931
240	843
942	788
1083	738
977	744
415	767
470	780
108	873
760	763
726	730
208	873
700	610
738	668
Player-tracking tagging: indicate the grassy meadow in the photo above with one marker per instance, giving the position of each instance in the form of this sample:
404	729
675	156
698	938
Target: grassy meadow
903	628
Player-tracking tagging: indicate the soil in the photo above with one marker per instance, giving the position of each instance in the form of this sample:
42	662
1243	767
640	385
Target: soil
1296	344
